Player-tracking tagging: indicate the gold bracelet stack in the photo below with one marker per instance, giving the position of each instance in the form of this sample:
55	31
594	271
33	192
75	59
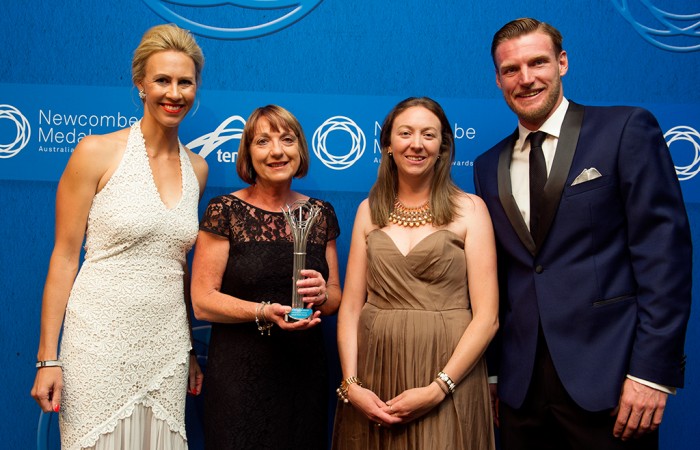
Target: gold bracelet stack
451	386
260	317
342	390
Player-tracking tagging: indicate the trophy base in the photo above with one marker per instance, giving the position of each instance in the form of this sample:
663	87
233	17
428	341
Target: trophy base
297	314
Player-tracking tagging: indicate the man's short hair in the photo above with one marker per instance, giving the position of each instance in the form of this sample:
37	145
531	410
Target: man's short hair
521	27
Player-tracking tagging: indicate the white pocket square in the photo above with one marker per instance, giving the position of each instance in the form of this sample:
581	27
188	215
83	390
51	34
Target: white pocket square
587	175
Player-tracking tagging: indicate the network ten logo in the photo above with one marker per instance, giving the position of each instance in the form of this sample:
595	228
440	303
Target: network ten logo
211	142
15	137
291	11
687	134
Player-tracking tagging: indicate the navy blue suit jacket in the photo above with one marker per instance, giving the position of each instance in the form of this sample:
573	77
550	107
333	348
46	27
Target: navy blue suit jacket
609	275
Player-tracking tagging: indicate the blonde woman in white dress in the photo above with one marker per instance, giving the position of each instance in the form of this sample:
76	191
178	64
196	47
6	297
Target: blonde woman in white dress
125	364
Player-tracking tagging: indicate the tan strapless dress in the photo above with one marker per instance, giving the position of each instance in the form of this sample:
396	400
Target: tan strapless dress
416	312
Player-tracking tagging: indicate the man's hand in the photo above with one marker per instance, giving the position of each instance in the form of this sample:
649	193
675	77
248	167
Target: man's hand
640	410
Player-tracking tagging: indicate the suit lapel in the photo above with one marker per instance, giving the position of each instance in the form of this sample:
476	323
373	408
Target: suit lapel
505	194
566	147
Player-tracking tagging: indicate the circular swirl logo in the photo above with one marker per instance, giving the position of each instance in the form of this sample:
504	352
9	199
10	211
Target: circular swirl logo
23	131
671	32
688	134
291	12
342	159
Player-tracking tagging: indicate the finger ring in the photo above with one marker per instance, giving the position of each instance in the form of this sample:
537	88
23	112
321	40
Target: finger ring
319	292
391	408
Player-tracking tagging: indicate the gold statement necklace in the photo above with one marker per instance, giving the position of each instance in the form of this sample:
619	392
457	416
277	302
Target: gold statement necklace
410	217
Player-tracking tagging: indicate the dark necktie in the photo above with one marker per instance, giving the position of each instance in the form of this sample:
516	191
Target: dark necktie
538	178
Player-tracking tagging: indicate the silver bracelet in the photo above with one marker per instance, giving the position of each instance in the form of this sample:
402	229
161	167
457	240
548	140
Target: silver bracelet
323	302
260	319
49	363
451	386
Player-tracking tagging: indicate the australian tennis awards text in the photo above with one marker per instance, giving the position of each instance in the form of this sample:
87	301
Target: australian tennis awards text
57	128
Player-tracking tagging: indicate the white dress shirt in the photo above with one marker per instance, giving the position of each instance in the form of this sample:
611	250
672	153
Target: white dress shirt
520	162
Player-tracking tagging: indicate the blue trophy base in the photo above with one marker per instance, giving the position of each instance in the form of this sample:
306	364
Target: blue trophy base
298	314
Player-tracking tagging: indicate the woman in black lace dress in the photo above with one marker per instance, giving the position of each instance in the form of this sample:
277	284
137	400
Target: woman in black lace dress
266	378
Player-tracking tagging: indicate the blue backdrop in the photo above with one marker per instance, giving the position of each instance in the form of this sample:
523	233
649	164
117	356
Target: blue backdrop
339	66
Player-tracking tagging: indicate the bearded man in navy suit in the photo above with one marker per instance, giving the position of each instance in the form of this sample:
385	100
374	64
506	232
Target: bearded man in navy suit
594	262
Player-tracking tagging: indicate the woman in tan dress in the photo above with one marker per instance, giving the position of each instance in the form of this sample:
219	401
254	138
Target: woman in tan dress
420	302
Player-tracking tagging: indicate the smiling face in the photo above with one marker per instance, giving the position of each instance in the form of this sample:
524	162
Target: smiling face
416	136
274	153
170	86
528	72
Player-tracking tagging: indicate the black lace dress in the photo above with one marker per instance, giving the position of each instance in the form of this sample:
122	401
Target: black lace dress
265	392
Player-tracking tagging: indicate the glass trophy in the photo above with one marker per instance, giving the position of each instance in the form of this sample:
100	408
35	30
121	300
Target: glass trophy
301	216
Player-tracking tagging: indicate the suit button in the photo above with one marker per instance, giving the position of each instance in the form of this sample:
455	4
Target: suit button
539	269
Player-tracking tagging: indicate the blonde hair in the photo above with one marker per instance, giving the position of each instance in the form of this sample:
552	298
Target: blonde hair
161	38
280	120
442	190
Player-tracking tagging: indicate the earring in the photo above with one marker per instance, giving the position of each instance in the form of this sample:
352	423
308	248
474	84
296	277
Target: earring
142	94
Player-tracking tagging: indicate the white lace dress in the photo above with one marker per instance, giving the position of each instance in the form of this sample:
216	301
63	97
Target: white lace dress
125	345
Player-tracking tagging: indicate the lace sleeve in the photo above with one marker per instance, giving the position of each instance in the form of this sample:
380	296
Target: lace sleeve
327	228
217	217
333	228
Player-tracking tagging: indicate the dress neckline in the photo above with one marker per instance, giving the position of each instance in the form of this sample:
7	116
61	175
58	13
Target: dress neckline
142	144
406	255
310	199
